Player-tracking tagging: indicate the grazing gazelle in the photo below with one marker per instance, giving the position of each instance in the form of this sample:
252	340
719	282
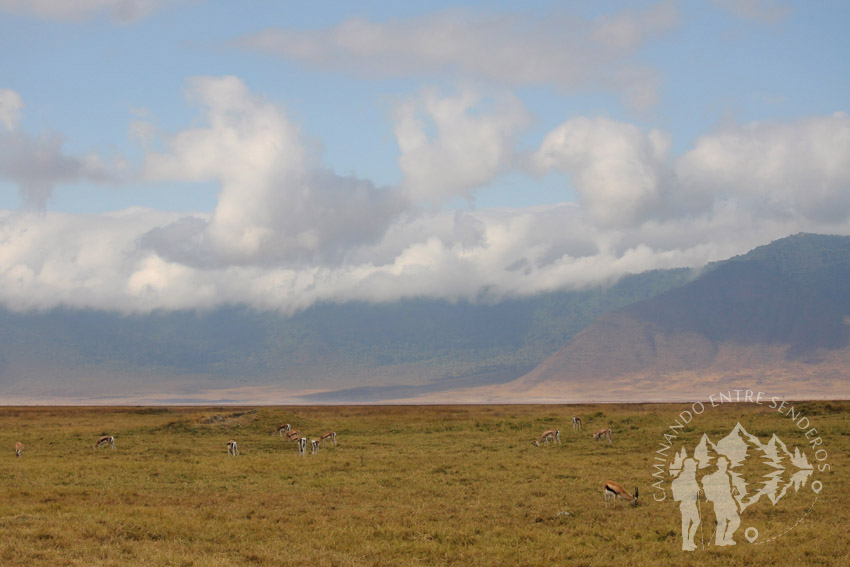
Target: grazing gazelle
614	491
232	448
576	423
551	434
302	446
283	428
314	446
104	441
19	449
329	435
603	434
293	435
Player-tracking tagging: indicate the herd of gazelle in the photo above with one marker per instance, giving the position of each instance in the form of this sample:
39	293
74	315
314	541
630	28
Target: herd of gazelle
294	435
611	490
232	446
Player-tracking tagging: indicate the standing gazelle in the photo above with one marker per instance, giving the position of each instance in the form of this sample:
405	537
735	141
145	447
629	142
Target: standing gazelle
614	491
603	434
232	448
314	446
19	449
302	446
551	434
576	423
329	435
104	441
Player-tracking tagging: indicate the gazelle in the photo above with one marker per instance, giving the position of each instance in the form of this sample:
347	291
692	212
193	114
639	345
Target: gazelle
302	446
314	446
576	423
283	428
232	448
19	449
551	434
329	435
603	434
614	491
293	435
104	441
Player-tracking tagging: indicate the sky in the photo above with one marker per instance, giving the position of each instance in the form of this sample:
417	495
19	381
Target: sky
190	154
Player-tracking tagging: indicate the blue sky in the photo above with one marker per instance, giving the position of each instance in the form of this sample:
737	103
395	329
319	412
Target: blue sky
191	154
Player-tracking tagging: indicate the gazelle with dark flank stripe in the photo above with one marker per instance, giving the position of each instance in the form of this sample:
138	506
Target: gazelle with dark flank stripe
281	429
314	446
551	434
614	491
329	435
104	441
576	423
302	446
232	448
603	434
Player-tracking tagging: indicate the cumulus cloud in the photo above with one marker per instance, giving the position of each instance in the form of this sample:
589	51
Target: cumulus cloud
10	108
276	203
54	259
621	174
76	10
512	49
484	256
767	178
288	233
781	170
465	151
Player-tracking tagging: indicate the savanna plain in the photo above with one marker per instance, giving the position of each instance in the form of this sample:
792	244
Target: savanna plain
405	485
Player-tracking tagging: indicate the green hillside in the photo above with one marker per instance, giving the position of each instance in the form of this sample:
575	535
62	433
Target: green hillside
790	292
410	342
753	316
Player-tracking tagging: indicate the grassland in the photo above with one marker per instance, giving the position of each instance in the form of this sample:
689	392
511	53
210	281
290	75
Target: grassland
451	485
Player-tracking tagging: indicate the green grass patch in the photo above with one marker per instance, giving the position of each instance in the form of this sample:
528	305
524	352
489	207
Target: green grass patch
435	485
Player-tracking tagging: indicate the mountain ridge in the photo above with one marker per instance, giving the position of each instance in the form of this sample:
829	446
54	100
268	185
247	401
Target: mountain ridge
753	319
363	351
775	318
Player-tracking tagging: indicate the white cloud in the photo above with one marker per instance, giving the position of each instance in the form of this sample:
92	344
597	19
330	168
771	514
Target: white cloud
465	151
76	10
619	172
54	259
10	108
797	169
102	262
736	189
514	49
276	203
288	233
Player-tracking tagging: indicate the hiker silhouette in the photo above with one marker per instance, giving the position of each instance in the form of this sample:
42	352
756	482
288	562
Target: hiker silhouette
686	491
718	490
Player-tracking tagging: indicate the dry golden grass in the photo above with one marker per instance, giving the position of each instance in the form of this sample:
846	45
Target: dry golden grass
454	485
